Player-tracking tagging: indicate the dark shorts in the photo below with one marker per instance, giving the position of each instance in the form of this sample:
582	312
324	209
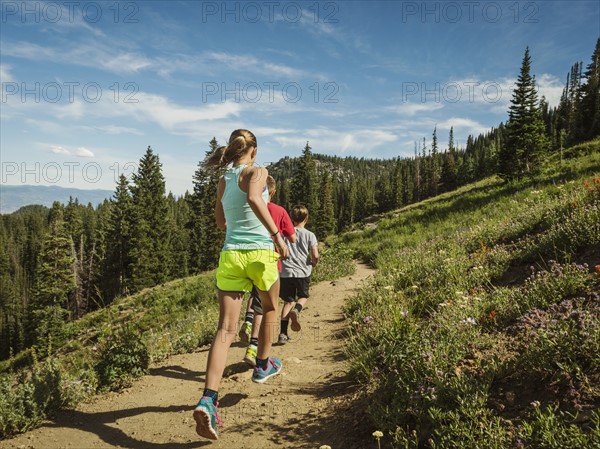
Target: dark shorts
256	305
294	288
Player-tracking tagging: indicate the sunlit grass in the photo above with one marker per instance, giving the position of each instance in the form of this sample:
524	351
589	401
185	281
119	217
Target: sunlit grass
482	306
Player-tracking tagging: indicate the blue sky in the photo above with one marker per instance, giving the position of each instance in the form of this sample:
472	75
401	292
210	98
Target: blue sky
87	86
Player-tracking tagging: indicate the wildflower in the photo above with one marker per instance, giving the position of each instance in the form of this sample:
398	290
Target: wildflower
492	315
519	443
535	404
404	313
378	434
94	348
367	319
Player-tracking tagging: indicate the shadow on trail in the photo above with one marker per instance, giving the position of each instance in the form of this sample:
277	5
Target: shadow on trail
101	423
178	372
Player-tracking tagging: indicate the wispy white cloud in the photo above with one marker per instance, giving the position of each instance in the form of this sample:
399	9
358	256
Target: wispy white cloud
83	152
67	18
411	108
550	87
98	55
333	141
57	149
246	63
5	75
88	54
114	129
465	125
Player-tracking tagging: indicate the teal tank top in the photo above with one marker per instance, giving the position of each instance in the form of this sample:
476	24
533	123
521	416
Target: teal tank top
244	229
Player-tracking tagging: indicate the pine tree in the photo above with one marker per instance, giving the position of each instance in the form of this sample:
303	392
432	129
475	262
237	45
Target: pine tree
74	227
55	282
448	177
179	216
417	176
206	240
525	143
589	111
425	171
117	263
325	220
435	170
397	185
408	183
304	186
150	254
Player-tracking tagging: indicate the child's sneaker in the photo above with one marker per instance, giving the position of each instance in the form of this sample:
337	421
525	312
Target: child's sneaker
283	339
207	417
245	332
273	367
295	320
250	357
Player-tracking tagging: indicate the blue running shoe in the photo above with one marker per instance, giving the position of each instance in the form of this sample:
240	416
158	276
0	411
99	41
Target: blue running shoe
207	417
273	368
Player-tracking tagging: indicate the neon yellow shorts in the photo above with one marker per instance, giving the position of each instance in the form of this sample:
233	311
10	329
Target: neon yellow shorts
240	269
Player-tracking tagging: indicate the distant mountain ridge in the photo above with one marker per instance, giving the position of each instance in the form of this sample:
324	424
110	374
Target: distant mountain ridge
13	197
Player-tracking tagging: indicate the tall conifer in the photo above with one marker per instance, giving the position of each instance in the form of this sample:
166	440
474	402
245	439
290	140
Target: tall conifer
525	143
151	262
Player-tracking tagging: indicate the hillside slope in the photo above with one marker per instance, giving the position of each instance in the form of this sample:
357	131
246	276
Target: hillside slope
482	326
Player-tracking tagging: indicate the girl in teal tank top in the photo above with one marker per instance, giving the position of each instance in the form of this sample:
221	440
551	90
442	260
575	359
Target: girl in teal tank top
248	258
244	229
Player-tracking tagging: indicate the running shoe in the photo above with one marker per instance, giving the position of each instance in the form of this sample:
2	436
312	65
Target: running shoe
207	417
250	357
273	368
245	332
283	339
295	320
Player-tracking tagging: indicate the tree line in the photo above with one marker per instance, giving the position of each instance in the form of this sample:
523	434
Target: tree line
58	263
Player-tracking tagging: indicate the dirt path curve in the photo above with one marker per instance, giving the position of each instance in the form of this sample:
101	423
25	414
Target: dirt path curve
304	407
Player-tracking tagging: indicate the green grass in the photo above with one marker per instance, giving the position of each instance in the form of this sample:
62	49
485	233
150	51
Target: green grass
481	328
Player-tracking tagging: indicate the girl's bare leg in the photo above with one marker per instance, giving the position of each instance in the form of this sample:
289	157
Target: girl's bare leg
269	323
229	313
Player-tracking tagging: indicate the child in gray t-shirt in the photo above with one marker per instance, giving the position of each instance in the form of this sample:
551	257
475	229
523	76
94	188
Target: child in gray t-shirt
296	271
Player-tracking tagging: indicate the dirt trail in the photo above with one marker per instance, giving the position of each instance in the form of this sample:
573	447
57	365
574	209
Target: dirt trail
304	407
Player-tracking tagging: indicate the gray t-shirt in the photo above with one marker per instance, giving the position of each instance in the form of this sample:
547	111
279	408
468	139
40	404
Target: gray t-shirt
298	264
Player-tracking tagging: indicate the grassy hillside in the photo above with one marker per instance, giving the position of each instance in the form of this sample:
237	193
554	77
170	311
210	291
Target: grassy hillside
482	327
109	348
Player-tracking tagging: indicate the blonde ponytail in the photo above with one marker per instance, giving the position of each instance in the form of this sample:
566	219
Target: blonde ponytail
240	142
